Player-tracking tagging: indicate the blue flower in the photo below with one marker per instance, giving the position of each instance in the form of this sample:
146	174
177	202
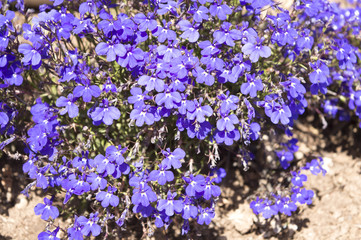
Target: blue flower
198	112
170	205
320	74
205	216
151	83
252	85
200	13
269	210
172	159
145	22
286	206
227	137
298	179
4	119
224	35
162	175
210	189
203	76
49	235
302	196
256	50
69	106
143	195
90	225
196	184
227	122
169	98
111	50
199	130
143	114
281	113
31	55
105	113
108	198
96	181
87	92
189	210
216	9
46	210
189	31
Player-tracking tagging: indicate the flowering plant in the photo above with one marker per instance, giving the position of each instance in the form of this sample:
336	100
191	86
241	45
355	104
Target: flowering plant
125	108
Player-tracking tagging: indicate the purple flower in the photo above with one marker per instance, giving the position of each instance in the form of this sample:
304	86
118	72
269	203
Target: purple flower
46	210
227	122
281	113
298	179
227	137
31	55
203	76
151	83
315	167
285	157
199	130
145	22
172	159
138	97
198	112
107	198
252	85
229	102
196	184
168	6
115	154
320	73
165	33
143	114
49	235
216	9
105	113
269	210
189	210
256	50
286	206
132	58
200	14
87	92
104	164
170	205
90	225
305	41
69	106
169	98
143	195
189	31
162	175
303	196
111	50
96	181
205	216
211	189
224	35
257	206
4	119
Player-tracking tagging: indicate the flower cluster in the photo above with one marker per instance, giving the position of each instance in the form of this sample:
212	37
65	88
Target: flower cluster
130	104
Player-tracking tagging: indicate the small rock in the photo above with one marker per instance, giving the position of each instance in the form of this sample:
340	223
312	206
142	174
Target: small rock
23	202
241	218
299	155
327	165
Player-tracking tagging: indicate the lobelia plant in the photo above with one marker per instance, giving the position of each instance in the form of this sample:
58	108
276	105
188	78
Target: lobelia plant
123	109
